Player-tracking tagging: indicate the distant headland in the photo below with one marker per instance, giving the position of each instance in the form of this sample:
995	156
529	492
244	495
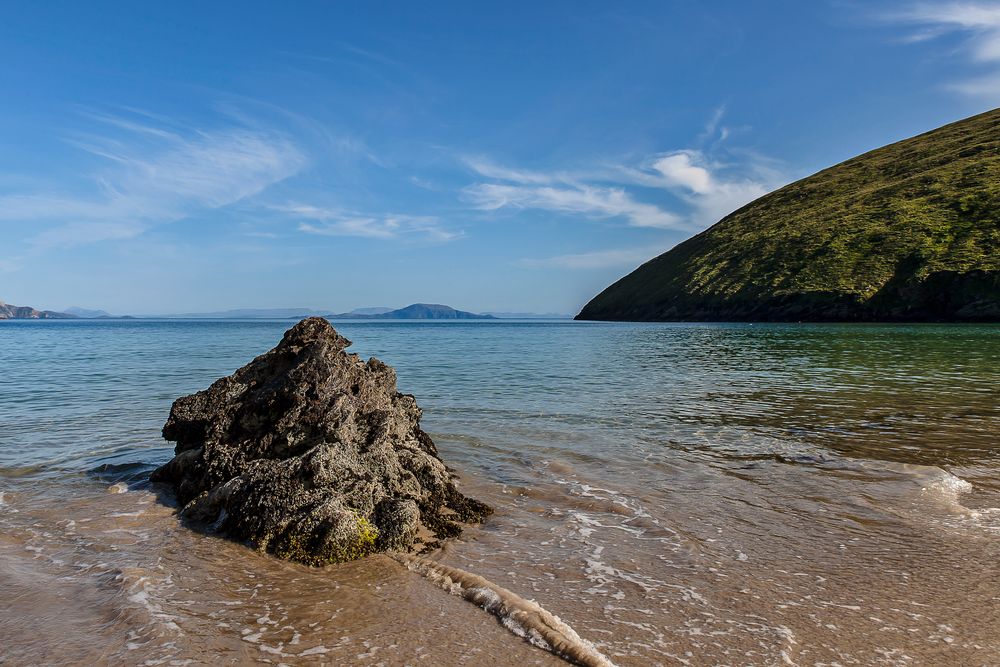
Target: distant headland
11	312
416	311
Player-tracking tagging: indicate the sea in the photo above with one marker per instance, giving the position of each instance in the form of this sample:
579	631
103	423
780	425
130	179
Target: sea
675	494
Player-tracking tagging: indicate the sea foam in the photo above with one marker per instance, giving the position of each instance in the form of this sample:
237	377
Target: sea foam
524	618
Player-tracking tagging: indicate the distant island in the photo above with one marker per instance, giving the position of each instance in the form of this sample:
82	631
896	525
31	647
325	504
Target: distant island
907	232
416	311
10	312
89	314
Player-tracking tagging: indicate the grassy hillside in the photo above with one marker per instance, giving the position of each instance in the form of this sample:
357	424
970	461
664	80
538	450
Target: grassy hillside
908	232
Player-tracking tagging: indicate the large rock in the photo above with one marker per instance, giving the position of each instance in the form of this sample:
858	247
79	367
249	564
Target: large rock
311	454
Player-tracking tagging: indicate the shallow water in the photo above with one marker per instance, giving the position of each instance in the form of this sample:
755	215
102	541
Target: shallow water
678	494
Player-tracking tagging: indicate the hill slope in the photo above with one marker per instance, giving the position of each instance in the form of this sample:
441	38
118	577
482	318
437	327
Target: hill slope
907	232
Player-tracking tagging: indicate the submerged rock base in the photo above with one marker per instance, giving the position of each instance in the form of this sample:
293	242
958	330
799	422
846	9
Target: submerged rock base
310	453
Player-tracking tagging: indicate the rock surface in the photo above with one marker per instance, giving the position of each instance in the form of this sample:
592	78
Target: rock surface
310	453
11	312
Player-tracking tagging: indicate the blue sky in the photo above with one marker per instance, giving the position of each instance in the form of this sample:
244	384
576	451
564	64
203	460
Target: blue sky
514	156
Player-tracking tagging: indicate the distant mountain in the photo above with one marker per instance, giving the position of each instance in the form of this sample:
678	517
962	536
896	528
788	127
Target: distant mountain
377	310
529	316
86	313
249	314
9	312
908	232
432	311
417	311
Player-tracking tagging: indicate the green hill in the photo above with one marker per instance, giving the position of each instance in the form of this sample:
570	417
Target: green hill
907	232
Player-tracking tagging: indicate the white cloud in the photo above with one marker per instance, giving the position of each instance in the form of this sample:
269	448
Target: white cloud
333	222
984	86
9	265
489	169
153	175
706	188
978	22
710	189
714	130
76	233
600	259
679	169
588	200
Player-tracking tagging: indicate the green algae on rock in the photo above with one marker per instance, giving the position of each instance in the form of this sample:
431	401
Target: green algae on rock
311	454
907	232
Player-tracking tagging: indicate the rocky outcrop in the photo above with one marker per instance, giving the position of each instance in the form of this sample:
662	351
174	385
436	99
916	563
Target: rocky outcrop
310	453
11	312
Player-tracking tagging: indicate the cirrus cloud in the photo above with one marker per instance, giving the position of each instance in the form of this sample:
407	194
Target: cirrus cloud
579	198
979	25
335	222
149	175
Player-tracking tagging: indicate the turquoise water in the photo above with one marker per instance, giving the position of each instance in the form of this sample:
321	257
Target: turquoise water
79	393
646	476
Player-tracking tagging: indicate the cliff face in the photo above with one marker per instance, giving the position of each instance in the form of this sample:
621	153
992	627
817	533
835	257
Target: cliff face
9	312
907	232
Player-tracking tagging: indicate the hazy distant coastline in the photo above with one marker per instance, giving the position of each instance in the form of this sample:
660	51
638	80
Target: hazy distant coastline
416	311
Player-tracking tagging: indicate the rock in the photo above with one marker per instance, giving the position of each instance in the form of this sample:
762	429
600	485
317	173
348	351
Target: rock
310	453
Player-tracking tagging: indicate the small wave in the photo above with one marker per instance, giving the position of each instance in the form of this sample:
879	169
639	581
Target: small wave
948	489
524	618
143	590
128	473
5	503
987	517
925	486
946	485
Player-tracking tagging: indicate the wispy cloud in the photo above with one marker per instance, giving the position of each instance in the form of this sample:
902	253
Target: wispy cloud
9	265
489	169
977	22
706	189
562	192
334	222
582	199
151	174
714	129
710	188
599	259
